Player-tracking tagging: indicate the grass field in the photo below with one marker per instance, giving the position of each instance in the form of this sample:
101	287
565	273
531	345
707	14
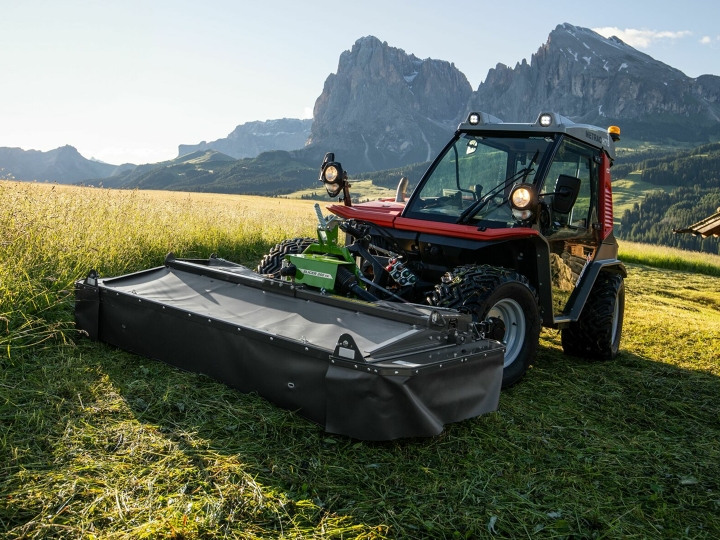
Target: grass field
99	443
361	190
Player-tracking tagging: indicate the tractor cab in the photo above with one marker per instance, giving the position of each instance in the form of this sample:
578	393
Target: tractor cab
494	175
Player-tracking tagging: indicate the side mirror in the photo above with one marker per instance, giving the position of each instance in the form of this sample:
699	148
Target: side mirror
566	193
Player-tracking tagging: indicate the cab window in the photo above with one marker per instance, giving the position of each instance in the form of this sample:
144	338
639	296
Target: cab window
577	160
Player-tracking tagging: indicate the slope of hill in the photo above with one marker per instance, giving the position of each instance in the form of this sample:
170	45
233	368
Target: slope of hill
210	171
185	165
688	190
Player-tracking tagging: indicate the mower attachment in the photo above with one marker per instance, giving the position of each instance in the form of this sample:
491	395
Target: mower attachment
372	371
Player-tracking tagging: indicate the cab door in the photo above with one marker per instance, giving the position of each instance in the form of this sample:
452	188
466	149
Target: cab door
570	234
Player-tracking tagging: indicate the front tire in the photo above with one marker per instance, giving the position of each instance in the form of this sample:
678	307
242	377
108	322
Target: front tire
596	334
272	262
487	291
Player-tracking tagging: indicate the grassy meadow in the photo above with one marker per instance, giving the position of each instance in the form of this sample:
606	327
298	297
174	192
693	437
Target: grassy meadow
361	190
99	443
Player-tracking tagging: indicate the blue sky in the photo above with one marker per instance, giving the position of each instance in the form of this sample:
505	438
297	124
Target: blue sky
129	81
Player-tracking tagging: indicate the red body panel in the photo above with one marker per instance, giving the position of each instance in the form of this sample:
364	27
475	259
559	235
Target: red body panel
381	213
462	231
605	206
387	214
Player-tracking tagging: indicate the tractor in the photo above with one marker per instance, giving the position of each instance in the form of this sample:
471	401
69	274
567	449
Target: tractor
402	315
512	224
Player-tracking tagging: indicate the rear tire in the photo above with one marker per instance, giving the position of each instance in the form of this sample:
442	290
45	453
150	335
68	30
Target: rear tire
596	334
272	262
487	291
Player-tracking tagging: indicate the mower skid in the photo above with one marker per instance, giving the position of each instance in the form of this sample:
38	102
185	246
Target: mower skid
372	371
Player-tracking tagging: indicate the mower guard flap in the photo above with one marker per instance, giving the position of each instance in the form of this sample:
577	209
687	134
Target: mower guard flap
372	371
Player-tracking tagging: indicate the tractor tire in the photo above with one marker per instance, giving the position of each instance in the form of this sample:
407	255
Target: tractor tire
272	262
488	291
596	334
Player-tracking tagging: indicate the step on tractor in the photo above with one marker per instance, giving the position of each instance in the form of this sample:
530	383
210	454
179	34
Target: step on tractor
512	224
401	316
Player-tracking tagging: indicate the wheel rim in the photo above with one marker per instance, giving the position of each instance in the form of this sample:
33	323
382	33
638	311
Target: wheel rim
510	312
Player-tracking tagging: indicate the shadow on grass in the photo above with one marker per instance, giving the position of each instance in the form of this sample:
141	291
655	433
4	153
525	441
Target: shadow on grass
623	448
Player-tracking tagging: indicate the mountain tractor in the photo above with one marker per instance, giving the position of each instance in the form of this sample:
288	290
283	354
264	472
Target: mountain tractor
402	315
511	223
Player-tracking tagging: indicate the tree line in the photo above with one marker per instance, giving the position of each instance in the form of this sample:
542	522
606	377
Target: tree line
696	172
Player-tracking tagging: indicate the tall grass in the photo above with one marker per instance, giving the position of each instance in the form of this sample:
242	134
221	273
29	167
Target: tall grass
670	258
52	235
99	443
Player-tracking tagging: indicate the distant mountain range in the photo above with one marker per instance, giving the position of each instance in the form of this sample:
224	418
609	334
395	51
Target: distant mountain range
594	80
385	109
253	138
211	171
64	165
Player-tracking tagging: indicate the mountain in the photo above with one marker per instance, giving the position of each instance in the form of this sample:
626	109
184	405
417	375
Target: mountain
385	108
274	172
253	138
64	165
591	79
183	170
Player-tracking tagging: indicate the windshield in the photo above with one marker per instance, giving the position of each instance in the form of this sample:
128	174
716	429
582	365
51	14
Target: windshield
472	180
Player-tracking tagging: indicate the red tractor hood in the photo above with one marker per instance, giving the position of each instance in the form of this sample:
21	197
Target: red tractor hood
386	213
381	212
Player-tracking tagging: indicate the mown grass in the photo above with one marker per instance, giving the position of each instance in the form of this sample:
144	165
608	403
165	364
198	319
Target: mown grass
98	443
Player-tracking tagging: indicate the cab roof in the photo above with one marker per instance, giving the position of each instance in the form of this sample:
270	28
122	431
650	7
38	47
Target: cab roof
551	123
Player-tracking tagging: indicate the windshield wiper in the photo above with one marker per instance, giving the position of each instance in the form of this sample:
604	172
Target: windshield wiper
472	210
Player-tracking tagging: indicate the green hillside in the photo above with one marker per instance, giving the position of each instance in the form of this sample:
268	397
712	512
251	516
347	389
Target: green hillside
677	190
270	173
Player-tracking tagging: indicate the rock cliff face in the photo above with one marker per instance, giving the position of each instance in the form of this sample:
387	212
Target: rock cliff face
385	108
591	79
253	138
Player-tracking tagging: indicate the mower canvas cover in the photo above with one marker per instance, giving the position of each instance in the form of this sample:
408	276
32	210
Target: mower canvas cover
372	371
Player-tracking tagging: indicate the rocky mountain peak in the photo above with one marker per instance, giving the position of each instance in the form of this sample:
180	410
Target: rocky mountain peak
592	79
385	107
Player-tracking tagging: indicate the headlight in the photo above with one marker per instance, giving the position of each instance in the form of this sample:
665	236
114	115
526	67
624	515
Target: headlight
523	200
331	174
521	197
474	118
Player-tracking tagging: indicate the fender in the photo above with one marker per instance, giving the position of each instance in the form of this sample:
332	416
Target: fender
580	294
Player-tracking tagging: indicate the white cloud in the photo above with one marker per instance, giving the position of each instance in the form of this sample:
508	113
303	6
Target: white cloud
308	112
707	40
640	38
